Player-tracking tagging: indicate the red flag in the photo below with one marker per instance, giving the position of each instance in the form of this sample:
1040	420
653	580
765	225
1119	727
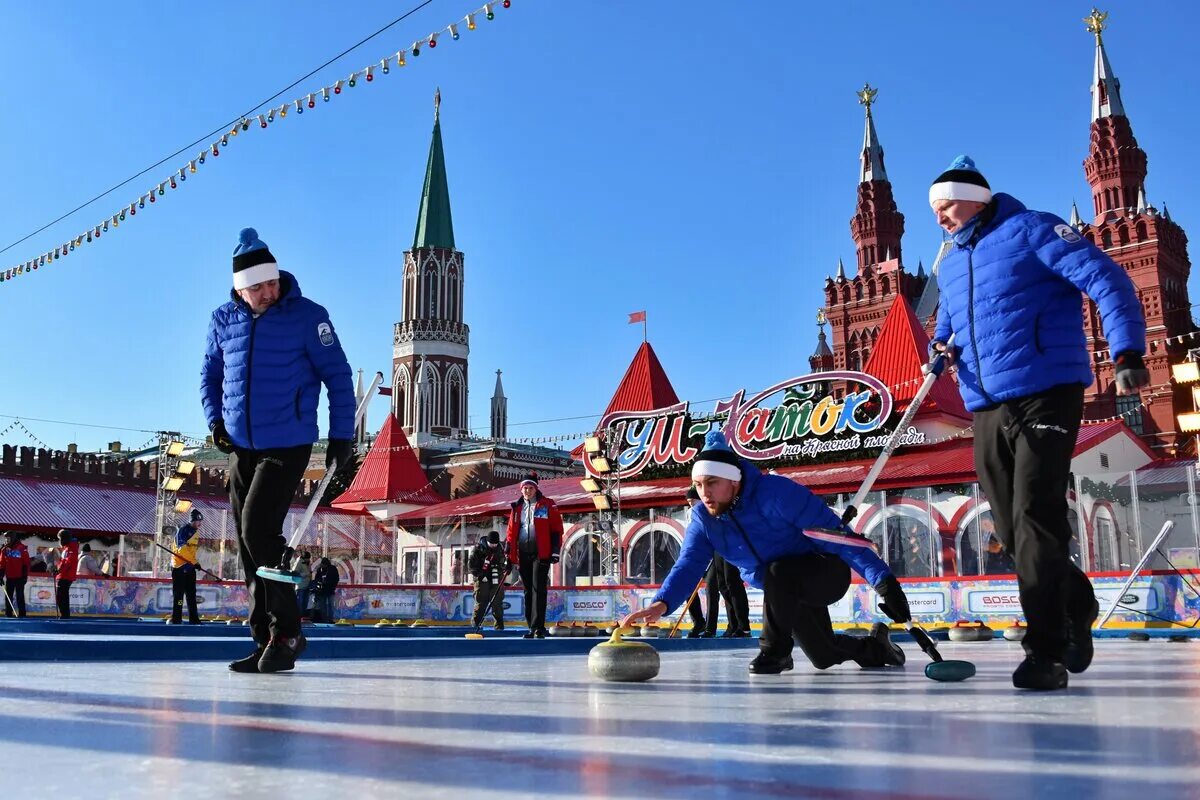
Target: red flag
385	391
637	316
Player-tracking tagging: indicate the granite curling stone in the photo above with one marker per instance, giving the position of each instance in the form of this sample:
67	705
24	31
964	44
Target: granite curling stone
619	660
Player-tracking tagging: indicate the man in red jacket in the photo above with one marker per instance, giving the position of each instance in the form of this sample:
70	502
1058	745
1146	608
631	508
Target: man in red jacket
68	565
535	532
14	570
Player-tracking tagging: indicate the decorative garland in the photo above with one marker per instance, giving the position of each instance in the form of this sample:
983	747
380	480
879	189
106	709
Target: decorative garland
273	116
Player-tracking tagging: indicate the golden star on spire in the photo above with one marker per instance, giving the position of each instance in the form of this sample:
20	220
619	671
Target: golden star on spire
866	95
1095	21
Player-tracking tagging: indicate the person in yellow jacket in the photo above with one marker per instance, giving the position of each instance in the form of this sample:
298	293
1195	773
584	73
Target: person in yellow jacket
183	570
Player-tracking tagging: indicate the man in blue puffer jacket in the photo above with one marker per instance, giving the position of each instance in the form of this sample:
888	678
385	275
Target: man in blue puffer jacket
766	526
269	350
1010	295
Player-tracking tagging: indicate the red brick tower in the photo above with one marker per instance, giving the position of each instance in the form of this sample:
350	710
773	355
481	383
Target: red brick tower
1151	248
856	308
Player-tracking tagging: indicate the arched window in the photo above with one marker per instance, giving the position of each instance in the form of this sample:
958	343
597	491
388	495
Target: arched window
911	550
652	553
582	559
1106	238
432	288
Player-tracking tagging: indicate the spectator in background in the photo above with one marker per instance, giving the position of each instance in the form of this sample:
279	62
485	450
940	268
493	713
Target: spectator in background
67	569
324	584
489	567
996	560
14	571
88	565
38	564
185	560
303	568
535	534
51	558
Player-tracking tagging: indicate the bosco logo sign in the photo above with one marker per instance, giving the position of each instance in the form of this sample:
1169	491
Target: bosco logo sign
589	606
994	602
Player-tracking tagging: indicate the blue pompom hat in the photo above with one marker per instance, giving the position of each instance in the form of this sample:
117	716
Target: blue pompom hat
962	180
717	459
252	261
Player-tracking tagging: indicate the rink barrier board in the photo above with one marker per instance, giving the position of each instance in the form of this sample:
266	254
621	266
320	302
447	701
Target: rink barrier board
940	600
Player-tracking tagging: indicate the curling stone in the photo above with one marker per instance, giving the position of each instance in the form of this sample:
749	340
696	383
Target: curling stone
651	632
234	622
1016	631
619	660
418	623
1178	638
591	630
558	629
855	630
383	623
971	632
1138	636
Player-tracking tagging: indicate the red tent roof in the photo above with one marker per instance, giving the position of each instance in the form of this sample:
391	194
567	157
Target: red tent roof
389	473
899	354
645	387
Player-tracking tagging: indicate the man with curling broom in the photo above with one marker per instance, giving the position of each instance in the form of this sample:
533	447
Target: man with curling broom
269	350
758	523
1011	296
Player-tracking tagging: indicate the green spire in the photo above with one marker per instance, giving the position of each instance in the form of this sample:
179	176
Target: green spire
434	226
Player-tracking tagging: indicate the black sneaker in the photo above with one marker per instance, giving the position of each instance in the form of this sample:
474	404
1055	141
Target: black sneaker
708	634
281	654
766	664
530	635
696	632
499	626
893	654
1078	655
540	633
743	634
1040	674
249	663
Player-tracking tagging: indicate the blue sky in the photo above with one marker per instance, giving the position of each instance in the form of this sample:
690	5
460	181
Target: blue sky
697	160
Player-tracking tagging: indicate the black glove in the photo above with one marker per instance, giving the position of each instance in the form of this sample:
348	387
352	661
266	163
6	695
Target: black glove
554	559
341	451
221	438
894	604
1131	372
951	353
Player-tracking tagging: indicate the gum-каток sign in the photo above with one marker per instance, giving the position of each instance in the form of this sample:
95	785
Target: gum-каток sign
795	425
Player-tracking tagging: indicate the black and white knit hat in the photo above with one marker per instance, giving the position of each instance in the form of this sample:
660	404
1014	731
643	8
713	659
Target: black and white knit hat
531	480
961	181
716	459
252	261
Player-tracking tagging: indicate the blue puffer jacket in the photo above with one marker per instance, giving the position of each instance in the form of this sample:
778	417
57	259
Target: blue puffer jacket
263	375
766	524
1011	296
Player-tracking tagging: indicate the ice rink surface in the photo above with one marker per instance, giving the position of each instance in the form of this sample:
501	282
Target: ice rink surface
543	727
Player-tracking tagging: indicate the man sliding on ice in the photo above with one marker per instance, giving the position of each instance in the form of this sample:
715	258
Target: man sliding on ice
757	522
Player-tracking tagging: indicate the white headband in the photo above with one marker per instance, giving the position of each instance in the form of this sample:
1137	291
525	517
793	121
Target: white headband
707	467
954	190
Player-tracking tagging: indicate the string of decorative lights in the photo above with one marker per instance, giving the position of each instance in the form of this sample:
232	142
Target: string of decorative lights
262	121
